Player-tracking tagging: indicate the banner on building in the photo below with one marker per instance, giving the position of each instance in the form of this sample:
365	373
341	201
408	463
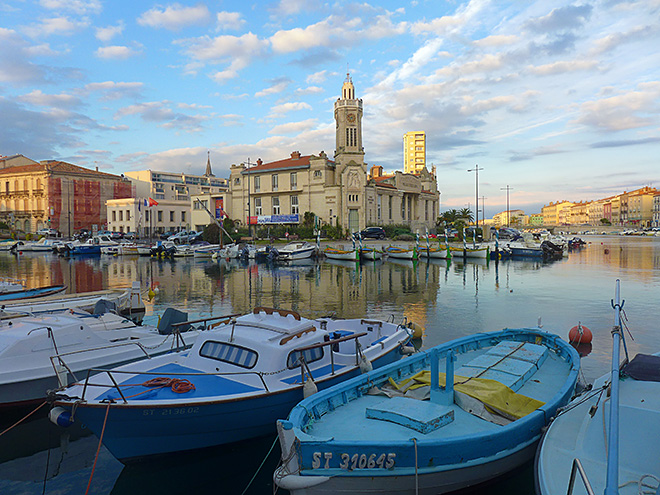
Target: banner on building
273	219
219	209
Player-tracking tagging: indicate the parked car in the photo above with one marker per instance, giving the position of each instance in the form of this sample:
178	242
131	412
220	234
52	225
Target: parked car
130	236
371	233
115	236
166	235
48	232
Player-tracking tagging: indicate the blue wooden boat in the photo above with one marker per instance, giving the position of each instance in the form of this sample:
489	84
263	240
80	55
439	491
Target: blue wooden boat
233	384
32	293
607	438
398	429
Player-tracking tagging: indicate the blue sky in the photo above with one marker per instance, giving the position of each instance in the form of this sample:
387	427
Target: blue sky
558	100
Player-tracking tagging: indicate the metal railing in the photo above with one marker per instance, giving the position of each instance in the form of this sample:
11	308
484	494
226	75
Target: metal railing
575	469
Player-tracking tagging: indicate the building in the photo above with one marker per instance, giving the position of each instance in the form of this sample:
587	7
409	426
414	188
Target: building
414	152
170	195
55	194
339	190
510	217
556	213
202	204
656	210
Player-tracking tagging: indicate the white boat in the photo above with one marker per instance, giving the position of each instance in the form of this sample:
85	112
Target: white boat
42	245
401	253
44	352
236	381
435	422
296	250
205	250
9	244
8	286
607	438
230	251
127	301
371	253
338	253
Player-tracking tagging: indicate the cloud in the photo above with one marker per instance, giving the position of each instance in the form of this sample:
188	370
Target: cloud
317	77
114	90
563	67
160	113
105	34
115	52
571	17
286	8
625	111
628	142
15	66
290	107
38	98
81	7
230	21
450	24
293	127
277	86
613	41
175	17
309	90
62	26
496	40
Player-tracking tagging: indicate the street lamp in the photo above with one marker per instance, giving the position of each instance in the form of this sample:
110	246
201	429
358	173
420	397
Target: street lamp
476	196
248	201
507	188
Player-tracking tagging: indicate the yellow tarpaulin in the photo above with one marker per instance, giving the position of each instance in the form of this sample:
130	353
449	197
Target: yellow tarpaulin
497	398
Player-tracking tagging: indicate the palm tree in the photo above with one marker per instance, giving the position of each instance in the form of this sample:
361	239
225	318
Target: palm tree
466	214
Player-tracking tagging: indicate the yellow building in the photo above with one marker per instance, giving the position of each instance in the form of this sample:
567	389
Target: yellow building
510	217
414	152
556	213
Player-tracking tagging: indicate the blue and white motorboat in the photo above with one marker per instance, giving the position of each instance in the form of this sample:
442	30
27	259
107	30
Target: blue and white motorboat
607	438
400	429
233	384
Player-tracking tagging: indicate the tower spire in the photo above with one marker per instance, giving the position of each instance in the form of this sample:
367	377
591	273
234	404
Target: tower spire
208	173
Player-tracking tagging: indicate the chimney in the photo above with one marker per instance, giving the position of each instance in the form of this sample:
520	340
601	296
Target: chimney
259	162
295	155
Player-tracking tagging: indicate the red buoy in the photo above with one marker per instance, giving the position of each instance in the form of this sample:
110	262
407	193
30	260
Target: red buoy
580	334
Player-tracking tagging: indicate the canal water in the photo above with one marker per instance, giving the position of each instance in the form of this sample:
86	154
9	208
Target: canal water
449	299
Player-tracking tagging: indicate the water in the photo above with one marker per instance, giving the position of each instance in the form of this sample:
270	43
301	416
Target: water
449	299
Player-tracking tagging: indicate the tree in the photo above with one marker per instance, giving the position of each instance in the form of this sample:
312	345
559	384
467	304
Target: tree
466	214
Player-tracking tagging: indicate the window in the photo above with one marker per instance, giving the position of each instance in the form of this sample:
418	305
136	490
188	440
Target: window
426	210
378	206
257	206
275	182
390	206
128	215
403	208
183	216
114	216
257	184
160	215
237	181
294	180
121	216
146	216
294	205
229	353
276	206
310	355
318	174
171	216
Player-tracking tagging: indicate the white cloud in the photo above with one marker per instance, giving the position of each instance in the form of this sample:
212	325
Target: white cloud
317	77
15	66
80	7
105	34
563	66
115	52
309	90
291	7
277	86
230	21
175	17
39	98
496	40
62	26
114	90
161	113
290	107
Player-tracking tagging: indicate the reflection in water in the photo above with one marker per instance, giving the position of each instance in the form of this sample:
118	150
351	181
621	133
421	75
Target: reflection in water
449	299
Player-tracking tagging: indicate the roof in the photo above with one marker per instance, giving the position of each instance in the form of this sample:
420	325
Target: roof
287	163
56	166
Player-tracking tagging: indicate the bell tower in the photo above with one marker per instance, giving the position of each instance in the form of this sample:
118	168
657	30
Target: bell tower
348	121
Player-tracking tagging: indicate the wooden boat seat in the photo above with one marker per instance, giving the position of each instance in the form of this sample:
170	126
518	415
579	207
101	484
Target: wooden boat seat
422	416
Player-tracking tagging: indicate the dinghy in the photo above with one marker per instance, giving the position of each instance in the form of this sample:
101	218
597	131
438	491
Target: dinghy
402	429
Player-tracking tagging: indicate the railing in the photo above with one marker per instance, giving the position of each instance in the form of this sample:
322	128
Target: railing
577	468
301	350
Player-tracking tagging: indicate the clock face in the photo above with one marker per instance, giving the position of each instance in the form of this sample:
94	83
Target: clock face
350	117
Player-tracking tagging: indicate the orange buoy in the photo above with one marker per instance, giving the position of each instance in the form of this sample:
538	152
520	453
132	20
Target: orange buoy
580	334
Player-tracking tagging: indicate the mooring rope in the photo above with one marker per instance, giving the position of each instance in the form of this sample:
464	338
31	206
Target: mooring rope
24	418
98	449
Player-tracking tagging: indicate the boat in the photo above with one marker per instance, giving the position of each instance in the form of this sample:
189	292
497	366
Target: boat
400	429
607	438
42	245
335	253
13	294
229	251
126	301
204	250
371	253
235	382
44	352
297	250
401	253
9	244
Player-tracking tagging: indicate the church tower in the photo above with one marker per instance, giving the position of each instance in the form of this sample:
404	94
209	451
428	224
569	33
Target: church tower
348	120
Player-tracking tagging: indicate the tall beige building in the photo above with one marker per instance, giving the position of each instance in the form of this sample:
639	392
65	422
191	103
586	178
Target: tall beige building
414	152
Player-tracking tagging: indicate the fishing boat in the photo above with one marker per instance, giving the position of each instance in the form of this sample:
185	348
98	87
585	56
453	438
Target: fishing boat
15	294
233	384
607	438
42	245
401	252
297	250
335	253
44	352
409	428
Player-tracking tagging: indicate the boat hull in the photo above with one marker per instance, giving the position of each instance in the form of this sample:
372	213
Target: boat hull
339	254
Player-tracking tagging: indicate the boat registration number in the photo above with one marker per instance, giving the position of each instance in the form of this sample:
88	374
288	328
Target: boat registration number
176	411
324	460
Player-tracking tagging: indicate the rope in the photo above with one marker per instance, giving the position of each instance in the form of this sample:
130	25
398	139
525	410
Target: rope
98	449
641	485
178	385
24	418
260	466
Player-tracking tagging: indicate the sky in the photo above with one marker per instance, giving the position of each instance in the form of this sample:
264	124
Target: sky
554	100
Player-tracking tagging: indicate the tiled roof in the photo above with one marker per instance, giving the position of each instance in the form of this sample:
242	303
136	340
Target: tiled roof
56	166
290	162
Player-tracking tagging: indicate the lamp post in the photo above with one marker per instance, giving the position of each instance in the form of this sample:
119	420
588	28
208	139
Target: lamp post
248	201
507	189
476	196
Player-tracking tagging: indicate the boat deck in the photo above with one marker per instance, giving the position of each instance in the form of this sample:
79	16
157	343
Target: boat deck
349	421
